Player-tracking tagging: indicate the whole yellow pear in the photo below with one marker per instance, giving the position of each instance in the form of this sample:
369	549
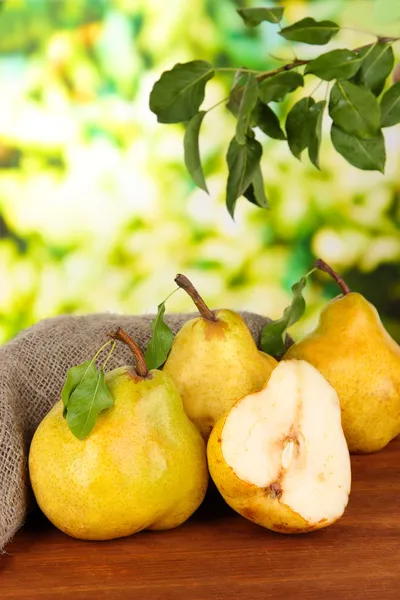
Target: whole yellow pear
354	352
143	466
213	362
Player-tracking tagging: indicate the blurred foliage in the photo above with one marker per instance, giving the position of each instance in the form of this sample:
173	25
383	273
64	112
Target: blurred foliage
97	212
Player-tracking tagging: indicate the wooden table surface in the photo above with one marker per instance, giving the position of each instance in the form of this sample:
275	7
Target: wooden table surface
219	555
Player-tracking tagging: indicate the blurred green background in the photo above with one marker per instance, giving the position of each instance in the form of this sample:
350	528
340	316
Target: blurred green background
97	212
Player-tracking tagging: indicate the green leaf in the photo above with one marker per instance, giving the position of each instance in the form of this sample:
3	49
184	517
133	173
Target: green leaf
161	340
192	151
178	94
255	16
242	162
272	337
86	402
274	89
247	103
337	64
377	63
367	154
75	376
255	193
236	93
264	117
354	109
316	117
310	31
298	126
390	106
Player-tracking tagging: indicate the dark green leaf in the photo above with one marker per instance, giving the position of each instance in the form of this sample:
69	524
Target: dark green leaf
310	31
236	93
86	402
274	89
265	118
316	116
255	193
242	162
390	106
247	103
396	73
368	154
161	340
75	376
337	64
354	109
178	94
192	151
377	64
298	126
272	337
255	16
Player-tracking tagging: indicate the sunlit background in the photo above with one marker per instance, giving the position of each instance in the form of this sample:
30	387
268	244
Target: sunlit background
97	210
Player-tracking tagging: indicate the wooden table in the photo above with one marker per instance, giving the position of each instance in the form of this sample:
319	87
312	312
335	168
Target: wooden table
219	555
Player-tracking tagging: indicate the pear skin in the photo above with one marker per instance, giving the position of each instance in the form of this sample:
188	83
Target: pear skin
213	363
354	352
143	466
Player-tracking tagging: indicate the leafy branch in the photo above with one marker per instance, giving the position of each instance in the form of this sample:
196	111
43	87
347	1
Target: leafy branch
299	62
357	111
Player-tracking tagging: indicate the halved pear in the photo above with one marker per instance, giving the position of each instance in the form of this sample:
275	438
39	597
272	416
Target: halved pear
279	456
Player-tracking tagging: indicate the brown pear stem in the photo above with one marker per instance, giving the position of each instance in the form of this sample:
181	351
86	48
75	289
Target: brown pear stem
183	282
122	336
322	266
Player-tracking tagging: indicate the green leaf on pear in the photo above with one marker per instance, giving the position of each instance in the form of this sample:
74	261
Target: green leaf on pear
255	193
354	109
310	31
377	64
368	154
390	106
242	160
337	64
264	117
161	340
86	402
275	88
192	151
178	94
247	103
298	126
256	15
272	336
316	114
75	376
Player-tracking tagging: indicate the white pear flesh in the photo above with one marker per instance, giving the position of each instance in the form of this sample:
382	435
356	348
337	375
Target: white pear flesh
288	439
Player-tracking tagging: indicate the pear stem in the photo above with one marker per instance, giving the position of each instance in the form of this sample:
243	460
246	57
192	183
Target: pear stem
323	266
183	282
122	336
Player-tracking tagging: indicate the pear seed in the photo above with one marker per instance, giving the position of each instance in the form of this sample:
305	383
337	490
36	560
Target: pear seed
287	454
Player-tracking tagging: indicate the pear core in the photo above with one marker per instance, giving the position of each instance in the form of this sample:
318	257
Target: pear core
288	440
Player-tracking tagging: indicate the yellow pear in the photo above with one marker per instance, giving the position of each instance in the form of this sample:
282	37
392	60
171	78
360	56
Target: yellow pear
214	361
143	466
354	352
279	456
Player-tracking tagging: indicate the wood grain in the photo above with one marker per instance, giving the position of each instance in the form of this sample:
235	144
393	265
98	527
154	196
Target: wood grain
218	555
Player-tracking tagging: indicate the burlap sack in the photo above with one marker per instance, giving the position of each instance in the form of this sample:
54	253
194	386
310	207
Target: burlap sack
32	373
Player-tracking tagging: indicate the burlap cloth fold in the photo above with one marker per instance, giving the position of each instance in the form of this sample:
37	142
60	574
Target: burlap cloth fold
32	373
